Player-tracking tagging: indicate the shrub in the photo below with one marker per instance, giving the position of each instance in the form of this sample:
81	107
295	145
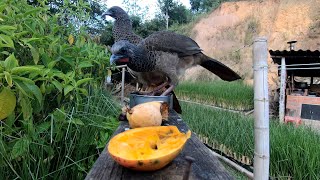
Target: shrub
52	67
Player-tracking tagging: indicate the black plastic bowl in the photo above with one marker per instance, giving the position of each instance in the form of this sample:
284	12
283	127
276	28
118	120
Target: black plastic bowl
136	99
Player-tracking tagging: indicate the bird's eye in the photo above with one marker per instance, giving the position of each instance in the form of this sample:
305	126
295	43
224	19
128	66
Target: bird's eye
123	50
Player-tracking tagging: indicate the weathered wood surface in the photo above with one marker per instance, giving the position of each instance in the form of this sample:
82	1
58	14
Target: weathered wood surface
206	165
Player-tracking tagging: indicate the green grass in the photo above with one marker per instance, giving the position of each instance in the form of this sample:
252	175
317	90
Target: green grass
63	145
235	173
230	95
295	151
186	29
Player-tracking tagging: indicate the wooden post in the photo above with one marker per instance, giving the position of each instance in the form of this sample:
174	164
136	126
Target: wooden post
122	85
261	110
167	19
283	78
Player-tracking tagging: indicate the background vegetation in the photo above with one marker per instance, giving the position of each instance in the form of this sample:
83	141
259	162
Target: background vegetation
294	151
233	95
53	58
181	19
50	61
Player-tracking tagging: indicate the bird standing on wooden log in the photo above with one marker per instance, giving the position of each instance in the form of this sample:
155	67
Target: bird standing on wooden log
170	54
122	30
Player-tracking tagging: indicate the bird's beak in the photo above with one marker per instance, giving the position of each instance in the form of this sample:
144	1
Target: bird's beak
118	58
106	14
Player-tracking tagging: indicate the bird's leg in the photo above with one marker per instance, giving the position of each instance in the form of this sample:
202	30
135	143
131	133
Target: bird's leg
159	87
168	90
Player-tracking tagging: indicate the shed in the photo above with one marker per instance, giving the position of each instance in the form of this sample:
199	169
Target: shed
299	99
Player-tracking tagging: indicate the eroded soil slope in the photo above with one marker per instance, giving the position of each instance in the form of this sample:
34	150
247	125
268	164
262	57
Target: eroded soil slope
228	32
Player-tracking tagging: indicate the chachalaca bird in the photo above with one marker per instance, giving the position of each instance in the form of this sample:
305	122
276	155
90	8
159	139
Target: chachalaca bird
169	54
122	30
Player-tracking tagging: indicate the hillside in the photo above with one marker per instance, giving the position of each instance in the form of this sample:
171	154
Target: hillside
228	32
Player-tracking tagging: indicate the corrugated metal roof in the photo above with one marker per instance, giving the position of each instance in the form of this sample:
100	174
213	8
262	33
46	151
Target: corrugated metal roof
300	54
299	57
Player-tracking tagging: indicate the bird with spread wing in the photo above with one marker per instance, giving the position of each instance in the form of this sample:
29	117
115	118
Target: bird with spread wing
122	30
169	54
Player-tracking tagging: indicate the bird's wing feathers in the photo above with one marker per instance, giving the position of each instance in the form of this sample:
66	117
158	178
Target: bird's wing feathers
171	42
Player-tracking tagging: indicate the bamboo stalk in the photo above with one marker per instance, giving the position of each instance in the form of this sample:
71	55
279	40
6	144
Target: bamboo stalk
261	110
282	90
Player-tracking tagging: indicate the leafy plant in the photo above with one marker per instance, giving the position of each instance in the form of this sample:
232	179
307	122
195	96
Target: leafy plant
66	142
53	68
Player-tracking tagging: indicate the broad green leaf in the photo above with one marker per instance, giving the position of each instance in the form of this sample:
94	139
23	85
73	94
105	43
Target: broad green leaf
67	89
6	27
43	88
5	53
7	102
69	60
34	53
81	81
26	107
59	75
20	147
35	90
58	85
8	78
52	64
23	88
23	79
10	62
43	127
24	69
28	88
6	40
71	74
85	64
83	91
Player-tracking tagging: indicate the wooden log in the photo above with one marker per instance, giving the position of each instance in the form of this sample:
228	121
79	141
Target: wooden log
205	166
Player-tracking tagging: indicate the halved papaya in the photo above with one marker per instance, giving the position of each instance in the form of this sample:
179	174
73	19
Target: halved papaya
147	148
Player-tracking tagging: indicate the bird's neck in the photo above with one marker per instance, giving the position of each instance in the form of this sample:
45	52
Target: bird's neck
141	62
122	28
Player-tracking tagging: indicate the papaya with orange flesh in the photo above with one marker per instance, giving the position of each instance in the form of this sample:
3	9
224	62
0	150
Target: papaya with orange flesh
147	148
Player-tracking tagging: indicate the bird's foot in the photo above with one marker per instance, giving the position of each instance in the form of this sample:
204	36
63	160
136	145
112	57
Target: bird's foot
166	92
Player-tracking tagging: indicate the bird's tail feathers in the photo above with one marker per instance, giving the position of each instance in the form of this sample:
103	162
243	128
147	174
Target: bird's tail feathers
219	69
175	103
